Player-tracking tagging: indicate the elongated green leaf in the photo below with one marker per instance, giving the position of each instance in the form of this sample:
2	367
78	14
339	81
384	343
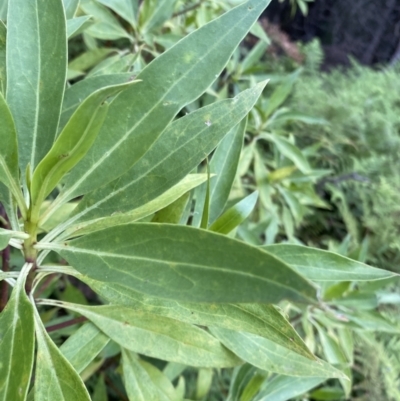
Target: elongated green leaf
70	7
138	383
290	151
180	149
173	213
3	10
3	67
55	377
16	343
7	200
189	182
73	143
270	356
78	92
319	265
224	163
157	336
77	25
235	215
9	172
83	346
139	115
154	13
280	94
35	86
118	64
284	388
263	320
127	9
221	270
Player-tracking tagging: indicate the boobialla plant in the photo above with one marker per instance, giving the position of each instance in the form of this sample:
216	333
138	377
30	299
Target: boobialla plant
99	173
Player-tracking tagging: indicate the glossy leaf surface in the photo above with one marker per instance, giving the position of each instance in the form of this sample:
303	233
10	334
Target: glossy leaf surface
35	86
184	264
319	265
16	344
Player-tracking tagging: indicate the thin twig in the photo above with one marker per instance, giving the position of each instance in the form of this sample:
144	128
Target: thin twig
188	9
68	323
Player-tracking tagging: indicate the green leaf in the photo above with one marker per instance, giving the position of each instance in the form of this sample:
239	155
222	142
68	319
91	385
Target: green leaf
318	265
8	202
157	336
235	215
73	143
206	205
263	320
138	383
5	236
70	7
78	92
9	170
100	390
292	152
284	388
3	10
17	343
189	182
204	381
280	94
154	13
270	356
3	68
118	64
138	116
89	59
55	378
77	25
173	213
224	163
127	9
221	270
83	346
35	81
167	161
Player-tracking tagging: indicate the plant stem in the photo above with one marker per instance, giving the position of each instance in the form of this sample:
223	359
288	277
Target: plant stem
68	323
190	8
30	252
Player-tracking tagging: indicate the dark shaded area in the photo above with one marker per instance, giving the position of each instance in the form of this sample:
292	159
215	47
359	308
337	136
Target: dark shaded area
367	30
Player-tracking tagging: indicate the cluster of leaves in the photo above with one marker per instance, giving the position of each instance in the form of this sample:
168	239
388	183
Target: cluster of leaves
99	183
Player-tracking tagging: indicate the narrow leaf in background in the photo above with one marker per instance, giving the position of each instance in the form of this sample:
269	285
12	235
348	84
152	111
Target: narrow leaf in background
224	164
